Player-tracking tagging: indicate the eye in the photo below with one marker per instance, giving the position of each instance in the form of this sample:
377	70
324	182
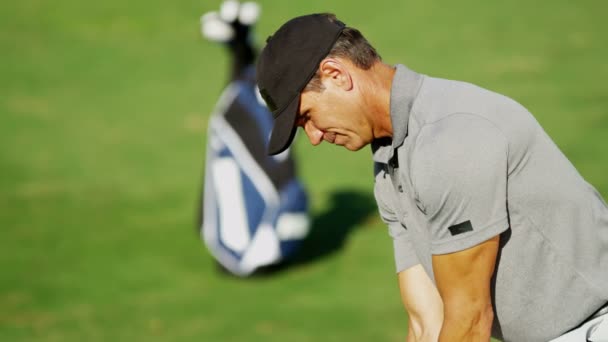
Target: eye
303	118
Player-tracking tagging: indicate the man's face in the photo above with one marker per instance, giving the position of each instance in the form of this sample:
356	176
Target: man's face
334	115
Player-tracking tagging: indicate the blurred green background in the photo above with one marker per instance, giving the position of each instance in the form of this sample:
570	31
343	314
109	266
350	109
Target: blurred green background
103	113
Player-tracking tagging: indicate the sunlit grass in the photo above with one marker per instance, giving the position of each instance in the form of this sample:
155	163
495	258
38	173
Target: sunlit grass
103	112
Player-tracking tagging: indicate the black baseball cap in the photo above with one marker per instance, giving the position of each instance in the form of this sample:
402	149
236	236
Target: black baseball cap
289	60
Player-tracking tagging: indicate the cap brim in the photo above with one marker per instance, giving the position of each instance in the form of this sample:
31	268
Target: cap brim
284	128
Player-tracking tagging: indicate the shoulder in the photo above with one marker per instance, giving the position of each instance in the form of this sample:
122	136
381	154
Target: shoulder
453	134
455	148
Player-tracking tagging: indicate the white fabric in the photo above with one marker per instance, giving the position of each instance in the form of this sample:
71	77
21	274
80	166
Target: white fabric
596	330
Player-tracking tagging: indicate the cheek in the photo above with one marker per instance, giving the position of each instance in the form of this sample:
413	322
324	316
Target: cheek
333	112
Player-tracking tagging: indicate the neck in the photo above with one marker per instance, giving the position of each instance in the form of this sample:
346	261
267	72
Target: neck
378	94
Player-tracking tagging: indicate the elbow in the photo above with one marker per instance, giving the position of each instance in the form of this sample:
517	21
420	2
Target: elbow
483	319
472	321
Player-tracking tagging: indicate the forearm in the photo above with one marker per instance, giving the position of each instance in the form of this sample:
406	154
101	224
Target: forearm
420	333
411	335
422	303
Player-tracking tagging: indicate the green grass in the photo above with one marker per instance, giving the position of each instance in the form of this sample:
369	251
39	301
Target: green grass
103	109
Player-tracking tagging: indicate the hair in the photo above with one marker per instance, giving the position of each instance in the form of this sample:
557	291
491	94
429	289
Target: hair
350	45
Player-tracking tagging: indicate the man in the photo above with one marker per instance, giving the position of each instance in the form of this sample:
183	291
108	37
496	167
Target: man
494	231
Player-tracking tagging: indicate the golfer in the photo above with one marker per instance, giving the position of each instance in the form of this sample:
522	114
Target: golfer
495	233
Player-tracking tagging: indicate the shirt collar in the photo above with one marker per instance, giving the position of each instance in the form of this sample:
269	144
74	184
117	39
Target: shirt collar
403	93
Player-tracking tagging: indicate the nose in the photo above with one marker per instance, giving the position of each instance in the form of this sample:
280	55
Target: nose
314	134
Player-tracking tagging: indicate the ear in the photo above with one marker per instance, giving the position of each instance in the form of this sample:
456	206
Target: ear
337	72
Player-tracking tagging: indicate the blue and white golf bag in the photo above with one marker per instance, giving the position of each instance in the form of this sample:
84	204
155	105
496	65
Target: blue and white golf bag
254	211
254	208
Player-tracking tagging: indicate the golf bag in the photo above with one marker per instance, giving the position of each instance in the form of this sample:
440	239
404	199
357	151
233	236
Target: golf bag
254	211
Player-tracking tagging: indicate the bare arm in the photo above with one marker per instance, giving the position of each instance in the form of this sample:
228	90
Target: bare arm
463	280
423	304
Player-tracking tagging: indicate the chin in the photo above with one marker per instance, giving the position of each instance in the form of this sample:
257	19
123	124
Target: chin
351	143
354	147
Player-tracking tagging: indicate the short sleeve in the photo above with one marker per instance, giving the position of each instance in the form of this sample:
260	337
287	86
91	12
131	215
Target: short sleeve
404	252
459	171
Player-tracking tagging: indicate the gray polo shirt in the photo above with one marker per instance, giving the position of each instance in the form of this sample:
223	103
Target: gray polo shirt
466	164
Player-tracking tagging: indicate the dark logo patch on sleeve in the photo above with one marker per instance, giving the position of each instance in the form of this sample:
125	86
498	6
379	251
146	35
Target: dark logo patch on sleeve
460	228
